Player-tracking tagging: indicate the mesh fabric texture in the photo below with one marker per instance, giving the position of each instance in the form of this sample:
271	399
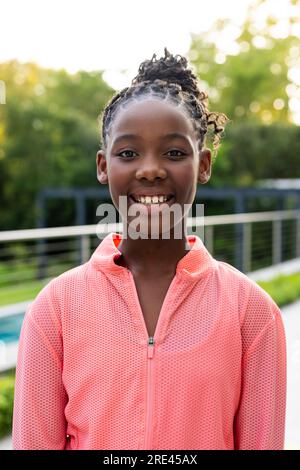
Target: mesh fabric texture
215	378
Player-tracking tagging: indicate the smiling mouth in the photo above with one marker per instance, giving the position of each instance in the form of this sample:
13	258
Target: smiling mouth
151	203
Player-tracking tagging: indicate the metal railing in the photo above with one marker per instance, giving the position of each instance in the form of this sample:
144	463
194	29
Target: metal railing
248	241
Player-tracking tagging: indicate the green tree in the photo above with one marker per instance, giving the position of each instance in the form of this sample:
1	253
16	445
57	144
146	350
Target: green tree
254	87
256	83
48	135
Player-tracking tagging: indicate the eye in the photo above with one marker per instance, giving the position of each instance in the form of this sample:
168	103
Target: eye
175	150
126	156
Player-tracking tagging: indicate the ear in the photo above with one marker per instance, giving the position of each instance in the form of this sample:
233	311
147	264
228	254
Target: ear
101	164
204	166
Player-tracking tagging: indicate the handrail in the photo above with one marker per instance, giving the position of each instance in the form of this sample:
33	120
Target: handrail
93	229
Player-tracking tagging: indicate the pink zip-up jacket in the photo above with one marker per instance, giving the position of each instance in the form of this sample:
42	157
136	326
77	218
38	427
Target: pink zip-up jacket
212	377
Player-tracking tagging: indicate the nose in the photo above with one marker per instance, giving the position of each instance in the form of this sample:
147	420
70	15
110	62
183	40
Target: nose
150	167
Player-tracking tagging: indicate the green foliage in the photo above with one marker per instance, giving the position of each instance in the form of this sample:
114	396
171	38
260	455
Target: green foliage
253	86
283	289
26	291
49	126
246	85
250	152
7	383
48	135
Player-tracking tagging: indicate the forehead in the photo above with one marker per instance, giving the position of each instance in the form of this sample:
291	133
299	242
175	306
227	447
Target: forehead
151	118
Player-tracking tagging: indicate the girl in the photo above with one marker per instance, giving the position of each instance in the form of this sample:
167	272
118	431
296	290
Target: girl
153	343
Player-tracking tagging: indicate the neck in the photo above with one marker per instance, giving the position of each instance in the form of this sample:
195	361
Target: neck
149	257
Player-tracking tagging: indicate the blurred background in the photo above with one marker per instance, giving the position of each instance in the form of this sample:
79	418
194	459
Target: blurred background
61	61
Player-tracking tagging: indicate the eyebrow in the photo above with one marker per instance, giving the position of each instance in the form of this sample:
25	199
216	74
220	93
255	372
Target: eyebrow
172	135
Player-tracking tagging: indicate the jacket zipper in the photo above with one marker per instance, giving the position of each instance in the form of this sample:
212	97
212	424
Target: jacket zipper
148	425
150	360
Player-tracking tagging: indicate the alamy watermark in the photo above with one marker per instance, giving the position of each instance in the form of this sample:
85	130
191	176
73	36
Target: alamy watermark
2	92
152	221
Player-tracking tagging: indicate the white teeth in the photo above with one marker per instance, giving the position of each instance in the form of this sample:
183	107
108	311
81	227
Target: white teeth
151	199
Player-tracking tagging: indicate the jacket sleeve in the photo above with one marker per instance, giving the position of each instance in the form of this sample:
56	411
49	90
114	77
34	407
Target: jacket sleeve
259	422
39	398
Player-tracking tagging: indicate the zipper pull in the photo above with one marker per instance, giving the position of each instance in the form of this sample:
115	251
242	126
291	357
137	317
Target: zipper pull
150	347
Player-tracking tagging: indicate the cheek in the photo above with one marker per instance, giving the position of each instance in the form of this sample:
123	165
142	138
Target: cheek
186	178
118	178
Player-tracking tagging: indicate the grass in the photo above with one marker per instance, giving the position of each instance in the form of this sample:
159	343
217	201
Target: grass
7	383
26	291
283	289
19	284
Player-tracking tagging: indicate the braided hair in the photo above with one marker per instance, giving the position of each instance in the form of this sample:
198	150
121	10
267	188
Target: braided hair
169	78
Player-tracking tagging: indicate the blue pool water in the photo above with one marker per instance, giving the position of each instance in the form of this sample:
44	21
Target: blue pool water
10	327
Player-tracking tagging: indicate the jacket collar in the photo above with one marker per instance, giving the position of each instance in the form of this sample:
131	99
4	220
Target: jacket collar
194	263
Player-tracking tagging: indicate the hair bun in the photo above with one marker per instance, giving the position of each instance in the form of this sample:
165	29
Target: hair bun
169	69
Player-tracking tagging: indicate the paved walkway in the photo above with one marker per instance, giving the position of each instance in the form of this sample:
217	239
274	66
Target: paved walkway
291	319
5	444
266	274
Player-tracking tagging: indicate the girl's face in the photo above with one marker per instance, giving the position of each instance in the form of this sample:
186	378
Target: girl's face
152	150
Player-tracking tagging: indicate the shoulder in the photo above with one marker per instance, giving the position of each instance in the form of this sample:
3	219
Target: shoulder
253	300
236	279
58	293
73	279
258	310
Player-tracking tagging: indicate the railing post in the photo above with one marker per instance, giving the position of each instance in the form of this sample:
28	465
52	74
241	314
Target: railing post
276	241
247	247
209	238
41	244
80	220
298	236
84	248
239	232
